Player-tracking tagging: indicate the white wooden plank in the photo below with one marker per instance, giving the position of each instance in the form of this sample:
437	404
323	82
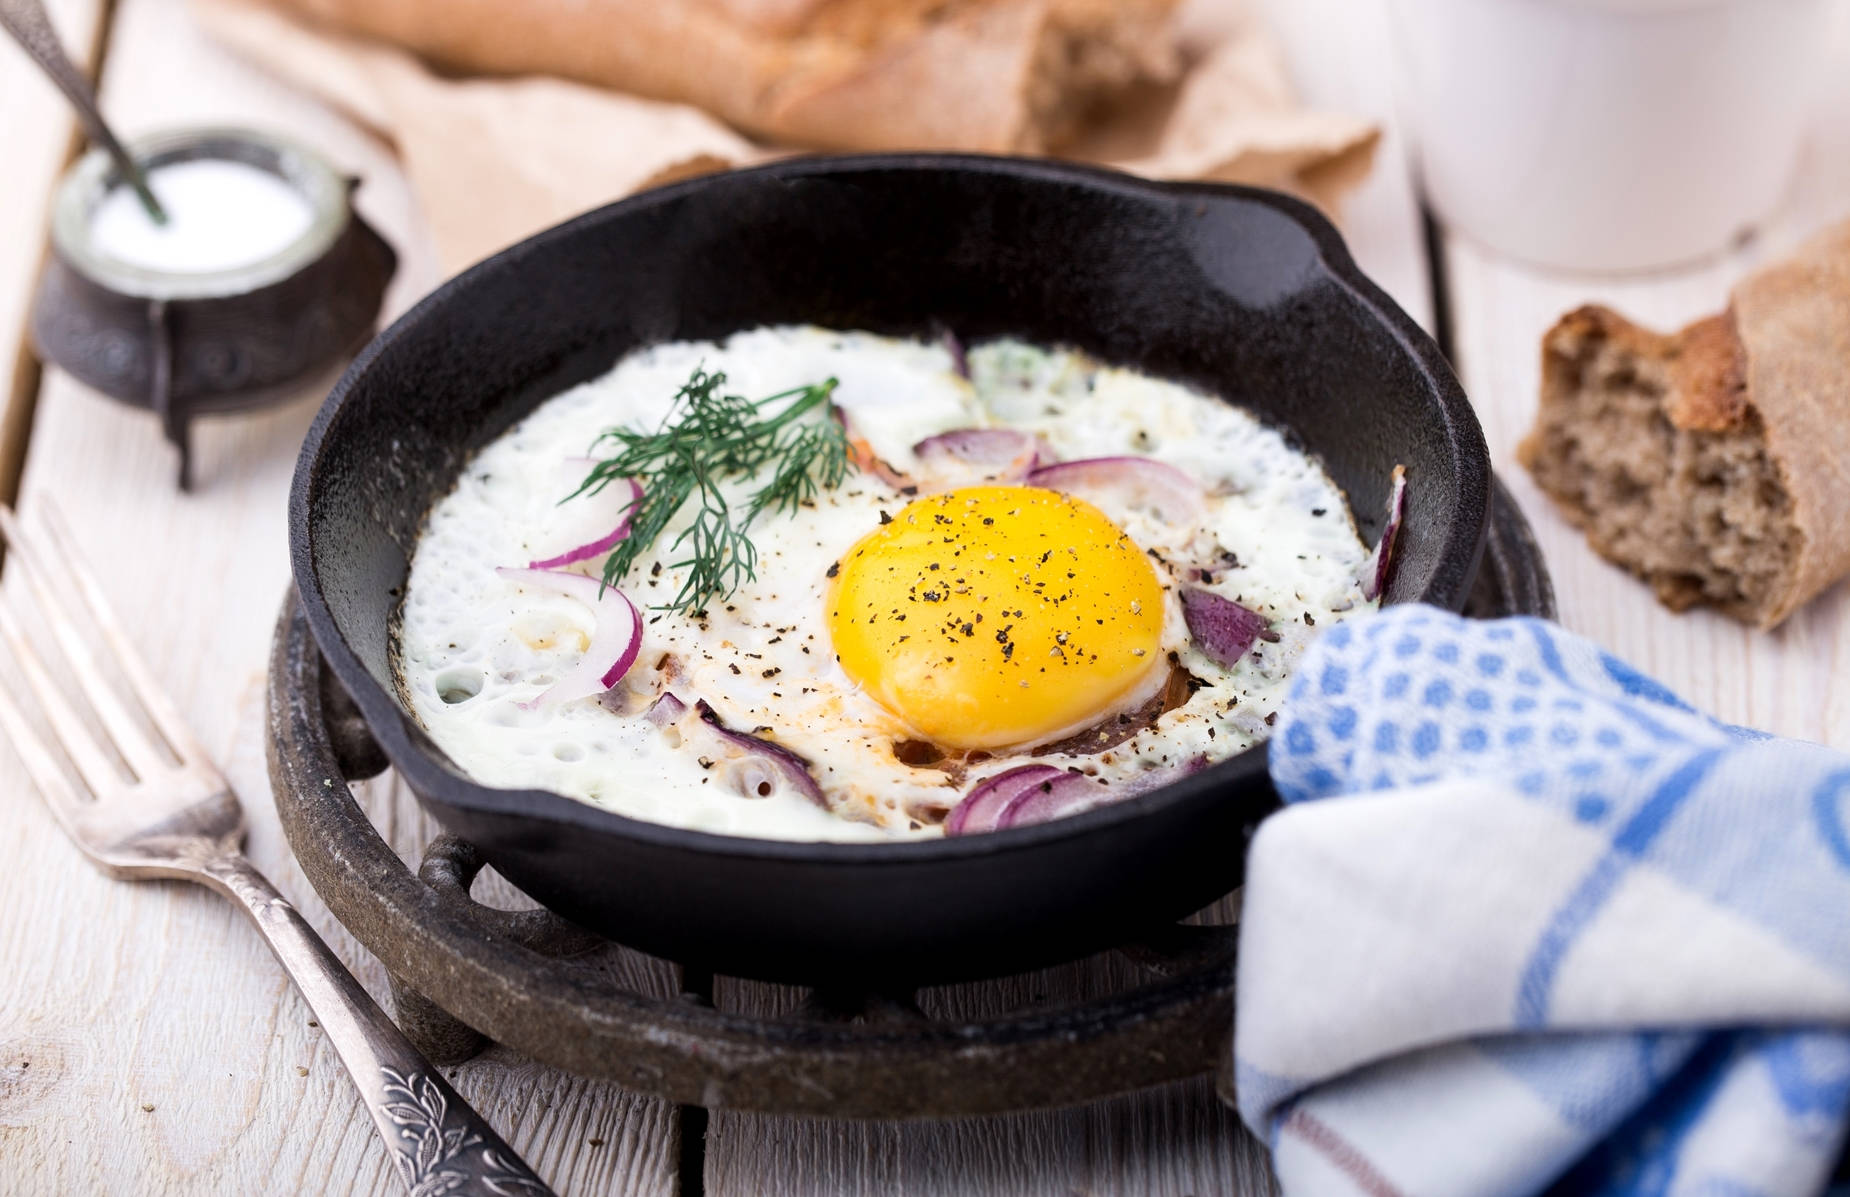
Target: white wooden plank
1175	1141
36	138
1781	681
147	1040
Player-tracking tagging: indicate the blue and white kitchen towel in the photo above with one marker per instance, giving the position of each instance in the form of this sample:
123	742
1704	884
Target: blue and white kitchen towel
1529	924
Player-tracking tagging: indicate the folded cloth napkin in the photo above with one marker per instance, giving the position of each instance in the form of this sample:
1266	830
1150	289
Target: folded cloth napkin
1529	923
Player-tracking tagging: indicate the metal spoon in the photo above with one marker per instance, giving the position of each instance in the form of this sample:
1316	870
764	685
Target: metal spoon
31	28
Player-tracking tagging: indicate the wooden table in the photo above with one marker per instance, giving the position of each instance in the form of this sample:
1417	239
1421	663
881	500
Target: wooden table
147	1040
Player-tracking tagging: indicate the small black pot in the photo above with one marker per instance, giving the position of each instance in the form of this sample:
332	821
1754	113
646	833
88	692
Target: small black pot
1247	294
187	344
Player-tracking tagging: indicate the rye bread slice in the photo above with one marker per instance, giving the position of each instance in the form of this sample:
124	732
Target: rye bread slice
1713	463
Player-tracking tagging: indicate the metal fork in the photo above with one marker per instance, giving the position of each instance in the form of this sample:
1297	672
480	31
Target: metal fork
173	816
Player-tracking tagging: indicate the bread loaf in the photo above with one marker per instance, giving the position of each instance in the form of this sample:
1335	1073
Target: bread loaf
1713	463
989	75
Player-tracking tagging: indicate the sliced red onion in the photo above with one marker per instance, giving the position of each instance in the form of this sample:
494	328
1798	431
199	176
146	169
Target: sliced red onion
665	711
614	641
1029	794
1222	629
983	805
1071	793
612	503
1005	455
1134	483
960	361
1067	794
1381	562
763	754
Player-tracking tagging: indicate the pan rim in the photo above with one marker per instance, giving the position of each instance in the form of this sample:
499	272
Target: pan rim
392	726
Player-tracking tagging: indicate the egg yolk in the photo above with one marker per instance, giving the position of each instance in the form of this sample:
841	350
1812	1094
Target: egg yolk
992	616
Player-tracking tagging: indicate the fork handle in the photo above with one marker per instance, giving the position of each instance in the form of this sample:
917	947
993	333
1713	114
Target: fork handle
438	1142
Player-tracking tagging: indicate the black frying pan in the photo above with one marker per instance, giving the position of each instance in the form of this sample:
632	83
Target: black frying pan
1244	293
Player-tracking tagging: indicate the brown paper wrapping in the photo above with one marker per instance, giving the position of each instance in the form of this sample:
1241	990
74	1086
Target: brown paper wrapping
992	75
493	160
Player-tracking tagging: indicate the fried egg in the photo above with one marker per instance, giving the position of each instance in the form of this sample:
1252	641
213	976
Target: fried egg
907	633
995	616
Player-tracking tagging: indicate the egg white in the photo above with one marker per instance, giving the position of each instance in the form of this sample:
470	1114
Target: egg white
474	647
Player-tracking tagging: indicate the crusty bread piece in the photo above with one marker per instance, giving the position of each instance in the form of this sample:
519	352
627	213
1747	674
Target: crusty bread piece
992	75
1715	463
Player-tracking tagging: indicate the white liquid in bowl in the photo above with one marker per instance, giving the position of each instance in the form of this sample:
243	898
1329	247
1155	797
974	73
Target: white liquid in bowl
220	215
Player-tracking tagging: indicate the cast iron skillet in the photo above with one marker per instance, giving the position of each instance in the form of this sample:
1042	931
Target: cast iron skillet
1245	293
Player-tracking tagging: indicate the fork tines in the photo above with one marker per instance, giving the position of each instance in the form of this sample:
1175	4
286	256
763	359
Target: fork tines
48	558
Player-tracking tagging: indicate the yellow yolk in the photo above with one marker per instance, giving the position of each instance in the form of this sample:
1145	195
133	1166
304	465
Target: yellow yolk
997	615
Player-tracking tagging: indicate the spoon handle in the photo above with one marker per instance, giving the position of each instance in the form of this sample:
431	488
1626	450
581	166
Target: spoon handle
31	28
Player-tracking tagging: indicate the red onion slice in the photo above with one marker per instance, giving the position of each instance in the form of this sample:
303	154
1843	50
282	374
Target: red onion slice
1381	562
1067	794
781	761
1037	793
960	360
1030	794
665	711
1127	483
612	503
615	640
1071	793
983	805
1222	629
1003	455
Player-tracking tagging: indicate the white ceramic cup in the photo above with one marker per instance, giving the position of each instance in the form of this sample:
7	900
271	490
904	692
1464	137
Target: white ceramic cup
1607	135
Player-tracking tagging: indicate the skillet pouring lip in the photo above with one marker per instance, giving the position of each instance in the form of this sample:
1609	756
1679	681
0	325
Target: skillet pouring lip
392	726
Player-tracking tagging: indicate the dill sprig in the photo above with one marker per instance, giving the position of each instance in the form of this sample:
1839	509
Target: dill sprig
707	437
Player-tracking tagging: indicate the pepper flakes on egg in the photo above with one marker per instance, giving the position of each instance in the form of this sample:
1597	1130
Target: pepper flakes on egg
1035	565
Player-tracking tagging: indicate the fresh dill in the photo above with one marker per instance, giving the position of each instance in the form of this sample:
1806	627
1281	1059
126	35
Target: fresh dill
707	438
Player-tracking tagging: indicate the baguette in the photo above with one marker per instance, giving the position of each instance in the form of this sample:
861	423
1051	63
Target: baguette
986	75
1713	463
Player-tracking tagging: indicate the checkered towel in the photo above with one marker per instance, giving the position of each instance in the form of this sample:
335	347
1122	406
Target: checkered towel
1529	923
